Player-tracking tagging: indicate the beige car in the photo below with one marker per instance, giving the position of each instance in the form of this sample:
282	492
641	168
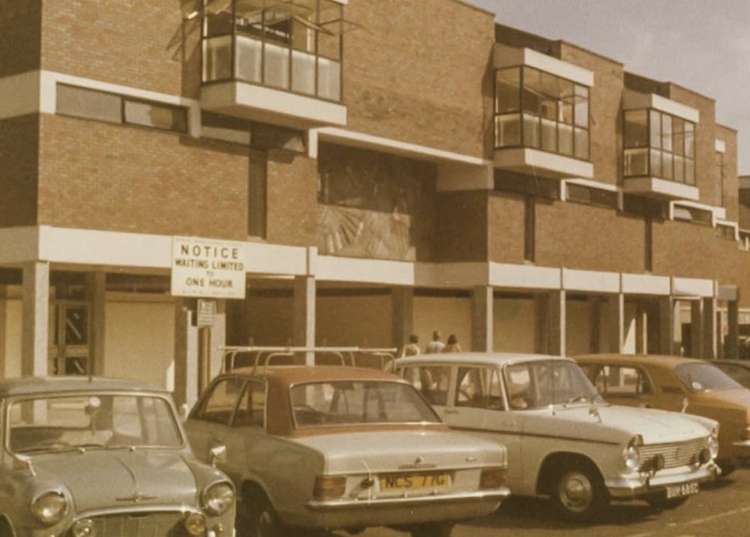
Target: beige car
675	383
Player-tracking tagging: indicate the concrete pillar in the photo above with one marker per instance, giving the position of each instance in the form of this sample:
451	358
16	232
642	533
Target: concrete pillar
709	334
733	329
402	315
185	355
303	329
696	329
97	289
556	323
35	337
218	338
641	330
666	325
482	319
615	307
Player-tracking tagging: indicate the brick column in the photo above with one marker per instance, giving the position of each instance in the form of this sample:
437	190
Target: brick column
696	328
303	327
35	337
709	333
402	315
666	325
482	319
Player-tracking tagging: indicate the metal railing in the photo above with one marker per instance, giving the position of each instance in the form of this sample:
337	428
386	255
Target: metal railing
262	356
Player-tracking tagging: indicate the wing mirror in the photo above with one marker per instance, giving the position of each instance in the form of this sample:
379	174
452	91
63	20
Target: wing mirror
685	403
217	454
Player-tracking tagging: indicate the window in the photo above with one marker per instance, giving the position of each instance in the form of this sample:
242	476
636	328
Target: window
547	382
431	381
692	214
540	110
219	405
659	145
251	411
256	194
101	106
591	196
293	45
621	381
479	387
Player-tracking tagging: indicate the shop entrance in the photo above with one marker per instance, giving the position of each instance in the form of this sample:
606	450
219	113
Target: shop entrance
69	349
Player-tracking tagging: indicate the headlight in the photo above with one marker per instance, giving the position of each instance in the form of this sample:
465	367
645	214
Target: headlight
218	498
631	455
49	508
713	443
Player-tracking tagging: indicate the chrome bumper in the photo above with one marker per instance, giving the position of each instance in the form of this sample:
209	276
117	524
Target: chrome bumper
495	494
646	485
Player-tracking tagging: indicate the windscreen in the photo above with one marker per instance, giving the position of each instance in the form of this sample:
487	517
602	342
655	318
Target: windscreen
699	377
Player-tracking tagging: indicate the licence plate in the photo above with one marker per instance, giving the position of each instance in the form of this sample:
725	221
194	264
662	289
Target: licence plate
405	482
685	489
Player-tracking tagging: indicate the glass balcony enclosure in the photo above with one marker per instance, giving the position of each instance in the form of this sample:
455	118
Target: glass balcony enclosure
535	109
659	145
290	45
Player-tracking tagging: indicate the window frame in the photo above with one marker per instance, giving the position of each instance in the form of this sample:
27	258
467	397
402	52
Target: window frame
199	409
247	386
642	376
493	371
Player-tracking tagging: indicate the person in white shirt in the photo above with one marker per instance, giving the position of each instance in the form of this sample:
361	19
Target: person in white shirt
435	346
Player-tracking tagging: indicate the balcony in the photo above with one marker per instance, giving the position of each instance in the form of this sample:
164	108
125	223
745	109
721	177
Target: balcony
542	120
275	62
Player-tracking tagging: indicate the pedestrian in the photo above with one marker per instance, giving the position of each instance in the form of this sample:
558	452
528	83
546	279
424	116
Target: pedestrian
435	346
411	348
452	345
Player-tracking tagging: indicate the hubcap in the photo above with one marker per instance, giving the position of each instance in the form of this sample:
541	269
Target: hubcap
576	491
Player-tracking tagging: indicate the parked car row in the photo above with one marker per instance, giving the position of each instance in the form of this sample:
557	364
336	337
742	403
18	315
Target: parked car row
277	450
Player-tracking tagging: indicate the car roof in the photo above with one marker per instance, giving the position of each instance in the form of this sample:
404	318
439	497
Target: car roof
641	359
67	384
741	363
483	358
288	375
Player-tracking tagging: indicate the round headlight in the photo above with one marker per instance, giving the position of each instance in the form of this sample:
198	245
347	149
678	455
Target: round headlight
195	524
84	528
713	445
218	498
49	508
632	458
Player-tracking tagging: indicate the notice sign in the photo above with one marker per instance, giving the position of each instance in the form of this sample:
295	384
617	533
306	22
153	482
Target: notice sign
206	268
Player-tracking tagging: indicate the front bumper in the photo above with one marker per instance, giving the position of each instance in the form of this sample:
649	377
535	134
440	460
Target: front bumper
629	488
350	513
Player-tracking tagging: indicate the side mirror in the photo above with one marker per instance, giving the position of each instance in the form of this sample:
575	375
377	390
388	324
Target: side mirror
217	454
685	403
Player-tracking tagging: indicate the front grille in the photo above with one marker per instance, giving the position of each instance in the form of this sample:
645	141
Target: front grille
139	525
675	454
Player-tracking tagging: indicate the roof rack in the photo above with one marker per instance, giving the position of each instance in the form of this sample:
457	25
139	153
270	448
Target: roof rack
261	356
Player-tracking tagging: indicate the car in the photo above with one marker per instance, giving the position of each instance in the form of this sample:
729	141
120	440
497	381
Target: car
333	447
97	457
739	370
563	440
679	384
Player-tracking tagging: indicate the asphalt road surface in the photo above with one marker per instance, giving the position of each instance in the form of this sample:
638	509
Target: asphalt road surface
721	510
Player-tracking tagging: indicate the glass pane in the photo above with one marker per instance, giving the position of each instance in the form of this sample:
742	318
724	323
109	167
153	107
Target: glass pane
549	135
655	162
478	387
508	90
276	68
329	44
582	106
531	92
303	72
90	104
666	132
508	130
433	382
582	144
329	79
636	128
636	162
566	101
655	128
565	133
689	139
248	58
679	168
219	406
678	136
218	21
153	115
530	130
666	165
76	326
689	172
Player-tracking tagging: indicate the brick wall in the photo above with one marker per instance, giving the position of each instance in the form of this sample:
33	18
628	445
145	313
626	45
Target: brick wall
418	72
461	226
20	36
506	227
731	181
19	162
292	199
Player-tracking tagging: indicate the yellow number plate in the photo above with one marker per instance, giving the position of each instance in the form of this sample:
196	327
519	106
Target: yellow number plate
419	481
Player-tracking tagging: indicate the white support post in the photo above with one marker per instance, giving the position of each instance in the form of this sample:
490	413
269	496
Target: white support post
482	319
616	322
186	355
303	334
35	338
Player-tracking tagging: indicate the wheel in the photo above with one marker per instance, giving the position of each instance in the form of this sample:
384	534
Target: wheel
257	518
579	492
658	502
434	529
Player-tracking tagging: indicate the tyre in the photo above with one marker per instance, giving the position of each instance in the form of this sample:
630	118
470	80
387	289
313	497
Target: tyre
257	518
659	502
579	492
435	529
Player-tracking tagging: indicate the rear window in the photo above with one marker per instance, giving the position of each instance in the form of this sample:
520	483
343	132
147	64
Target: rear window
699	377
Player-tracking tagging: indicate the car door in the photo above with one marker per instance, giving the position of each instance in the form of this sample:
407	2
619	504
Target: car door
209	424
246	433
433	381
623	384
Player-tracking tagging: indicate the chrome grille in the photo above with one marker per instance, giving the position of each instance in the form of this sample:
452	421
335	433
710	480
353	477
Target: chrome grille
137	524
675	454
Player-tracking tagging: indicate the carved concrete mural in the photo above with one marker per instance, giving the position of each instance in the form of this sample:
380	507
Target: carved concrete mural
374	205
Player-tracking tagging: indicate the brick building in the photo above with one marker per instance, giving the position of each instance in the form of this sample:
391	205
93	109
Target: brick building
382	168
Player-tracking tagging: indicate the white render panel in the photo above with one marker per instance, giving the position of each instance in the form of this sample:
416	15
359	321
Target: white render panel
524	276
593	281
349	269
507	56
542	163
635	100
692	287
451	274
19	94
645	284
660	188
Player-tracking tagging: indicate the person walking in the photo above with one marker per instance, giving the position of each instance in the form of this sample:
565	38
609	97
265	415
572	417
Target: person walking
411	348
435	346
453	345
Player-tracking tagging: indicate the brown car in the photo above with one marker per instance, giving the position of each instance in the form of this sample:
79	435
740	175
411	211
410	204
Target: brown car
677	384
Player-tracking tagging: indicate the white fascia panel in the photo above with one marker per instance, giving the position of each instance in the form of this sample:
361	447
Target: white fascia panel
591	281
539	162
451	274
262	258
19	245
645	284
396	147
661	188
507	56
524	276
674	108
19	95
355	270
692	287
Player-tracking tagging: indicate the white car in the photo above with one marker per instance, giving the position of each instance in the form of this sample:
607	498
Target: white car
563	440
